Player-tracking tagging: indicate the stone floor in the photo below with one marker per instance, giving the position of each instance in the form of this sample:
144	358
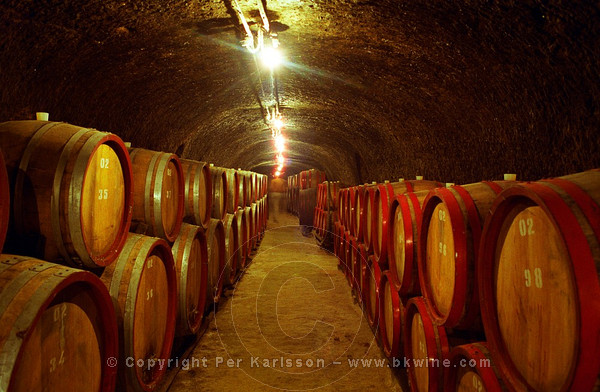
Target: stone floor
290	324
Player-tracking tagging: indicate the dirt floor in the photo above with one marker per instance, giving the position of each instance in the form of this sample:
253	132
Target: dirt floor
291	323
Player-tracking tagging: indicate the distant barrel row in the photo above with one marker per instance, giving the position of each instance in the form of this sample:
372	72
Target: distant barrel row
305	180
76	193
500	274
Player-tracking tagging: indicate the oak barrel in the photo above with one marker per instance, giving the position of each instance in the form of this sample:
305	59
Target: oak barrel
471	368
59	330
190	254
4	201
143	287
215	239
197	192
384	195
233	190
391	310
368	209
242	189
232	252
159	191
540	254
242	232
220	192
425	347
71	190
371	288
403	240
451	227
249	230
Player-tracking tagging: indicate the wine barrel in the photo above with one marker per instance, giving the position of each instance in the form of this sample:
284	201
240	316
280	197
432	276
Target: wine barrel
355	227
384	195
59	330
403	240
540	254
143	286
341	248
448	243
336	241
371	288
233	190
249	230
158	203
255	229
190	254
242	189
341	206
351	261
4	201
197	192
232	255
220	192
368	208
391	309
242	232
349	211
425	347
215	238
308	200
72	192
472	369
361	261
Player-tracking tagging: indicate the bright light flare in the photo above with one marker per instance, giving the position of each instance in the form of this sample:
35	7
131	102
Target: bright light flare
277	173
270	57
278	123
280	143
280	159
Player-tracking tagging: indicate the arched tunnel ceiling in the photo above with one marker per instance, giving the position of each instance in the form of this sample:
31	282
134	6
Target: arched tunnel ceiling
457	91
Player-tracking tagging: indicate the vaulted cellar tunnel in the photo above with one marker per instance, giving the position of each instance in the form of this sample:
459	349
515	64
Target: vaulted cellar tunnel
370	90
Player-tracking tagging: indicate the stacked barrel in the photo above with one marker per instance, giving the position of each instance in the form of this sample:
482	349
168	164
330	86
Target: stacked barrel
485	286
326	212
302	193
142	221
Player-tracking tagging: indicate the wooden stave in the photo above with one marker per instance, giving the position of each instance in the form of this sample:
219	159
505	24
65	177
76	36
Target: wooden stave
249	229
348	208
368	210
148	213
363	259
467	227
232	254
181	250
394	349
478	352
242	190
192	191
255	228
584	373
112	277
47	281
4	201
437	334
215	288
220	192
410	206
59	226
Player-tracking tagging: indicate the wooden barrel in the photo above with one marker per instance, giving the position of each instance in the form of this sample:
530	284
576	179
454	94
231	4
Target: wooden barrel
403	240
255	229
361	262
242	231
472	369
190	254
232	255
540	255
349	211
220	192
215	239
425	347
368	211
384	195
371	286
59	329
72	192
352	248
143	286
341	248
197	192
249	230
242	189
336	241
340	208
391	309
365	269
355	200
451	227
233	190
4	201
158	203
308	201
